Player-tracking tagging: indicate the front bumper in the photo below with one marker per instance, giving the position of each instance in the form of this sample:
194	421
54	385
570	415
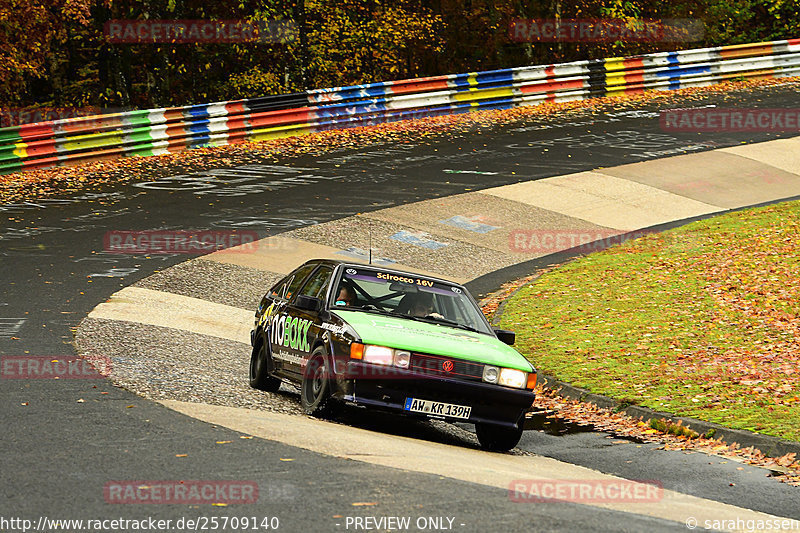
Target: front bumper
491	404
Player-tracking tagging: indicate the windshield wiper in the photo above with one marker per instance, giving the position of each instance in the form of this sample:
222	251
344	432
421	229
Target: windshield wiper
435	320
425	319
452	323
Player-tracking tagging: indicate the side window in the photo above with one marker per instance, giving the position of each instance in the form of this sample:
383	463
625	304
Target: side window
279	290
318	283
299	277
458	313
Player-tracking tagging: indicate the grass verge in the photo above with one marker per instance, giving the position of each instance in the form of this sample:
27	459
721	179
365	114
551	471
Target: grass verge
700	321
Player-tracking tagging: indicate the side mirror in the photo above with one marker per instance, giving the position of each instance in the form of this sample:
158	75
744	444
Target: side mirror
308	303
506	336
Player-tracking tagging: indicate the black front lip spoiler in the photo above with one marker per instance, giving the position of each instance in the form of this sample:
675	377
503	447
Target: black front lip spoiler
491	404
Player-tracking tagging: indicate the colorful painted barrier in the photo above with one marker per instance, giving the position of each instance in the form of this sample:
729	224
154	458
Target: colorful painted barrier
160	131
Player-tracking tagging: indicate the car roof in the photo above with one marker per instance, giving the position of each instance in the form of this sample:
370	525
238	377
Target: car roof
336	262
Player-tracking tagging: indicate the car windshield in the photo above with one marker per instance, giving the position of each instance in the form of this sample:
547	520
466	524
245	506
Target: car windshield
409	296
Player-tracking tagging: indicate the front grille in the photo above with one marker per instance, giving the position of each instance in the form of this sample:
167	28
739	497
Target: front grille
433	365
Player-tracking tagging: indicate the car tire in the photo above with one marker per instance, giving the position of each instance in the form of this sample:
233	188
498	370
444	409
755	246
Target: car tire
315	390
497	438
259	375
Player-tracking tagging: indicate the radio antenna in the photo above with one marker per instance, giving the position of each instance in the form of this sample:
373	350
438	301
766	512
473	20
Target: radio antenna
369	225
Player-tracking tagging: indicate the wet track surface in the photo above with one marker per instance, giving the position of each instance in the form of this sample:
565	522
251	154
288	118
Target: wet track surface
58	453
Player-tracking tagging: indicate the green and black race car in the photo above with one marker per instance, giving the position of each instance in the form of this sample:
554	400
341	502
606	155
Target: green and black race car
369	336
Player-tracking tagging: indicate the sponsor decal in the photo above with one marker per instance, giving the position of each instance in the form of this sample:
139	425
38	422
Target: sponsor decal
291	358
403	279
290	332
338	330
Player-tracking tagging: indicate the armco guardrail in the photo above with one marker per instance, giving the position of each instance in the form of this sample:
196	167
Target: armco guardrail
160	131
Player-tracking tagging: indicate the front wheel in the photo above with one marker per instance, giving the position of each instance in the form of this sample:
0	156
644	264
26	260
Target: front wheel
259	375
315	391
497	438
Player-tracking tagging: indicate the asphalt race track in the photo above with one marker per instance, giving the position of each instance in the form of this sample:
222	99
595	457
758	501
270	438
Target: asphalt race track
65	439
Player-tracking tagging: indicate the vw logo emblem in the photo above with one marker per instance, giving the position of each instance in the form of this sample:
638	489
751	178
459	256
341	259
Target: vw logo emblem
447	366
350	271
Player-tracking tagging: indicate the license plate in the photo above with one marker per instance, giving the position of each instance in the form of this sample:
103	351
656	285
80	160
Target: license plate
437	408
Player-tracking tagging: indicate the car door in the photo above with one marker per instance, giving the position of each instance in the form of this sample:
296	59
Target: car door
278	312
300	326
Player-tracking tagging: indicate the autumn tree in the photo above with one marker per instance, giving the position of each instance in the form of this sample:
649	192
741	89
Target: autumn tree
55	53
30	30
358	41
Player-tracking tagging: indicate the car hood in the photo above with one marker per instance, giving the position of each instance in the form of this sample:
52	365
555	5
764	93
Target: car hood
435	339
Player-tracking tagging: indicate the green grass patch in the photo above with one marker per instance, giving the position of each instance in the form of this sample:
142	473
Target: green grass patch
700	321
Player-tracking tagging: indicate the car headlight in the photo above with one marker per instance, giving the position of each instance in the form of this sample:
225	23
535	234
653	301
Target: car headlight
380	355
511	377
402	358
508	377
490	374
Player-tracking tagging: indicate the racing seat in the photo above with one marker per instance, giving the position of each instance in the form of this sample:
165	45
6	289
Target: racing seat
406	303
